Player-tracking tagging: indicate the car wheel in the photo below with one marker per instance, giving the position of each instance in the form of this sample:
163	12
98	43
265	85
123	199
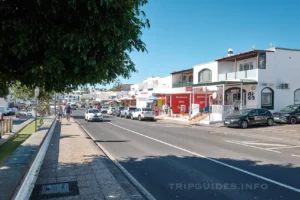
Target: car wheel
244	124
270	122
132	117
293	120
140	118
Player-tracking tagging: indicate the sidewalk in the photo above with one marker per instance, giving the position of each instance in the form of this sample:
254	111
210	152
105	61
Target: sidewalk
75	168
16	130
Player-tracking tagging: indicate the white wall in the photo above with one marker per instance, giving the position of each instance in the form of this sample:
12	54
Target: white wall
282	66
225	67
213	66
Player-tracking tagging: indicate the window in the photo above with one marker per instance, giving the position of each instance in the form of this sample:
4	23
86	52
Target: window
267	98
246	66
297	96
262	60
191	78
204	75
184	78
262	111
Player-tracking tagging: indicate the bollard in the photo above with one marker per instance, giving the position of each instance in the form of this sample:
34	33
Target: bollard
11	124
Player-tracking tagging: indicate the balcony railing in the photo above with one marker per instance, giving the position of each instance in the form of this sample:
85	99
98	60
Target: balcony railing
238	75
183	84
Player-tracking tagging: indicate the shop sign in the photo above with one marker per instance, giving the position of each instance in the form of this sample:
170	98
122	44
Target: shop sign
189	88
178	100
144	92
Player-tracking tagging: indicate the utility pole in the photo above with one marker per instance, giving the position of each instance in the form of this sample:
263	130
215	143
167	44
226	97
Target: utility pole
36	92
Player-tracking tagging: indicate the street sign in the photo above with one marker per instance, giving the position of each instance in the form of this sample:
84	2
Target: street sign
189	88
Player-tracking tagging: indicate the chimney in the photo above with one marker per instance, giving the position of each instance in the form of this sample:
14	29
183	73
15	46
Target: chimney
230	52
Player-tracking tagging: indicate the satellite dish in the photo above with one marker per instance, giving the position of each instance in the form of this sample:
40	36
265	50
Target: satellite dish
214	95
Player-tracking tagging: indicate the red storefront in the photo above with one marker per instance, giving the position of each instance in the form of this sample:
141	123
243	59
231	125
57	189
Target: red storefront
200	99
178	100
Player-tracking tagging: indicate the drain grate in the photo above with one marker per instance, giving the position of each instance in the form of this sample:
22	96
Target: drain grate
54	190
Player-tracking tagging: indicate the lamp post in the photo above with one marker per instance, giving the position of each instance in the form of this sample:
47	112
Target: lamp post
36	94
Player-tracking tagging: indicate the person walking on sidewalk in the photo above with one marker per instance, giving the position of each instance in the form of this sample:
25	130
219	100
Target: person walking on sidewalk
68	112
60	113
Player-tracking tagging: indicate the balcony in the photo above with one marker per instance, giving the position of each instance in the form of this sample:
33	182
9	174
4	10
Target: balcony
184	84
250	74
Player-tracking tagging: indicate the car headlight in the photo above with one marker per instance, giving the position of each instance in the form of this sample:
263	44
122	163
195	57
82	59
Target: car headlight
234	120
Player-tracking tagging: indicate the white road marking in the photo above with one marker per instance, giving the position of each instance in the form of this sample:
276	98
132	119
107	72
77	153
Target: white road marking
115	161
289	147
213	160
251	146
295	155
265	144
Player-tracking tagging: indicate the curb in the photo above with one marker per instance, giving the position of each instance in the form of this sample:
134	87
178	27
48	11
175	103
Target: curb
30	178
139	187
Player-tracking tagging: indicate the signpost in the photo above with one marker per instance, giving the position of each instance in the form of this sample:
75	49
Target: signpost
36	94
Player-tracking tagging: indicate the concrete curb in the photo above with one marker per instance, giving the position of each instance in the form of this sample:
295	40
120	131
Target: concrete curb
28	182
139	187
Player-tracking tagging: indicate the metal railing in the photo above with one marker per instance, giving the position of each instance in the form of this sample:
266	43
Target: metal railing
182	84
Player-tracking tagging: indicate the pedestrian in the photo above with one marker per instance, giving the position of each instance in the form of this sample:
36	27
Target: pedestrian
68	112
60	113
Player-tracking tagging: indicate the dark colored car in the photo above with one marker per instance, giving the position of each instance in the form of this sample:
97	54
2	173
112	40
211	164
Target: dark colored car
117	111
289	114
249	117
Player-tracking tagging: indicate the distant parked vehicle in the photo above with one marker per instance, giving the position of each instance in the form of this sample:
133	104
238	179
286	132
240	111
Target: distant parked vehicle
4	110
110	111
126	112
142	114
73	106
249	117
11	111
117	111
104	109
289	114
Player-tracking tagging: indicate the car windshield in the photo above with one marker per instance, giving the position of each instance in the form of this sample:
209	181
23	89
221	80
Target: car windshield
243	112
289	109
147	109
93	111
132	108
105	107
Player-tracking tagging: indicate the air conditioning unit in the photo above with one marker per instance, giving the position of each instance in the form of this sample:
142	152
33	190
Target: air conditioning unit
285	86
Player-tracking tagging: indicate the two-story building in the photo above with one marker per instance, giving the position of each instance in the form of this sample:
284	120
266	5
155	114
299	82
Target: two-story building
253	79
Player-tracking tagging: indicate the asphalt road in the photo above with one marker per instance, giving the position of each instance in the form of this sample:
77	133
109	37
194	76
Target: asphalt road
177	161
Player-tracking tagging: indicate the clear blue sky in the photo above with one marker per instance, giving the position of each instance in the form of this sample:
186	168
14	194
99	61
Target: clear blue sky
184	33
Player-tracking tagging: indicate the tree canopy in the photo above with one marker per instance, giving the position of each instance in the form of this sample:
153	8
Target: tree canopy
59	44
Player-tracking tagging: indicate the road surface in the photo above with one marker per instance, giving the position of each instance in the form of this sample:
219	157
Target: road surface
177	161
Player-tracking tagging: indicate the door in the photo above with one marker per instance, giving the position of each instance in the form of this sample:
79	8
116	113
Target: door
298	113
253	117
263	116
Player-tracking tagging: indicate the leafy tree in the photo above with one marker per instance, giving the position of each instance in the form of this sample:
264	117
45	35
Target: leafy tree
67	43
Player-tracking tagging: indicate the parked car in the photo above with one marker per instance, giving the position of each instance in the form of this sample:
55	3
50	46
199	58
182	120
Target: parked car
126	112
110	111
11	111
142	114
104	109
117	111
249	117
73	106
4	110
289	114
93	115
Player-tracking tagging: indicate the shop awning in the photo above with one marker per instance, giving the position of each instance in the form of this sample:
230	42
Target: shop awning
216	83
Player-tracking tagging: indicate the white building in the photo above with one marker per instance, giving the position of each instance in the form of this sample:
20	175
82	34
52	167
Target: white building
254	79
144	92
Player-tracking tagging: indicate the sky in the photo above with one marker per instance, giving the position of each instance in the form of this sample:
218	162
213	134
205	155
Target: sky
185	33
